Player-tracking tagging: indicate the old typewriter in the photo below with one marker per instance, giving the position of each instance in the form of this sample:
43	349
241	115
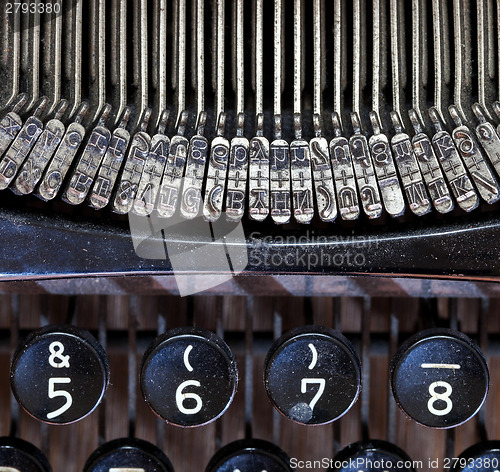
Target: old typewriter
326	170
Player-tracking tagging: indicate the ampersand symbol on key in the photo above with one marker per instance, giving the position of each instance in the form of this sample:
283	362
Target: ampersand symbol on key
56	349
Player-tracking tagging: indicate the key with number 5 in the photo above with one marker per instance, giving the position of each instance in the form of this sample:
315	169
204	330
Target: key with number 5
59	374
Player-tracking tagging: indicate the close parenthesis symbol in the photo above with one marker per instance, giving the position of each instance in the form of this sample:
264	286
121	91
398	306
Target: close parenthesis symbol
322	190
315	356
186	358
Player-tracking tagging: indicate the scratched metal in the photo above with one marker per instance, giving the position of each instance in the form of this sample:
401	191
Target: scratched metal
11	124
150	182
488	138
365	176
194	176
59	165
258	169
345	183
126	189
429	165
385	169
216	179
19	150
323	179
172	176
279	176
411	176
473	158
87	166
237	178
302	191
38	159
105	181
452	165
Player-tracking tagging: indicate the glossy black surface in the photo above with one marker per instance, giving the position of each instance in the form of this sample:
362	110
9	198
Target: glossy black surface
372	456
481	457
43	245
439	378
189	377
312	375
250	455
57	367
22	456
128	453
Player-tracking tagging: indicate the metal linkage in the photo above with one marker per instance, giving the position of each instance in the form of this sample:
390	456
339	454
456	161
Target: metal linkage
123	156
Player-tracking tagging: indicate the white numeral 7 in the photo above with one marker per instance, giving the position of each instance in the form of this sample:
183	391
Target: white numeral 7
321	389
59	393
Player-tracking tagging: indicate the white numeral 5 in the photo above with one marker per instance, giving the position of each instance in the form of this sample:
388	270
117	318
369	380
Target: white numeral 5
53	393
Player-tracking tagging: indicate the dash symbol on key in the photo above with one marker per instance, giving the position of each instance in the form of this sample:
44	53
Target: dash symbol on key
440	366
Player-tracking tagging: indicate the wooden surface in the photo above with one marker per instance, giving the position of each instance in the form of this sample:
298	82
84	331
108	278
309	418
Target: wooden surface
68	447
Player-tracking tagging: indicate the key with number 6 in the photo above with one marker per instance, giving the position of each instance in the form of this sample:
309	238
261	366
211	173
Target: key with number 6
188	377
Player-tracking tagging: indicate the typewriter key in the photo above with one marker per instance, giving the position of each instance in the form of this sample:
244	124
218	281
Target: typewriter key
372	456
482	457
250	455
312	375
59	375
188	377
17	455
128	455
439	378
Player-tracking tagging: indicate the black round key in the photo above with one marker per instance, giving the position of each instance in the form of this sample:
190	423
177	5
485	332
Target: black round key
127	454
59	374
312	375
17	455
250	455
482	457
439	378
189	377
372	456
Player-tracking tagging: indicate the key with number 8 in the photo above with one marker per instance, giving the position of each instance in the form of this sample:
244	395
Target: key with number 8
439	378
59	374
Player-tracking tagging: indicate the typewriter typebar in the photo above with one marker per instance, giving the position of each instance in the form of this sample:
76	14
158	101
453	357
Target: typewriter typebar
315	136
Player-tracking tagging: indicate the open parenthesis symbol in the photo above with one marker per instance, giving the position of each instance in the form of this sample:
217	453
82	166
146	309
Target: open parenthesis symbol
186	358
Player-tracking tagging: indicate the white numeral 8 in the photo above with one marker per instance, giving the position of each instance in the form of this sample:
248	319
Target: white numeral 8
445	397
